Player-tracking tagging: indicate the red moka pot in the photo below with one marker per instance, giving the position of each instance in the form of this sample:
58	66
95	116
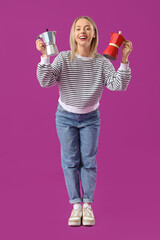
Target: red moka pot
116	41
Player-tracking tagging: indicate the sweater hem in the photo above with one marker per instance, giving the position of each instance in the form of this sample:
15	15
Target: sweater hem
78	110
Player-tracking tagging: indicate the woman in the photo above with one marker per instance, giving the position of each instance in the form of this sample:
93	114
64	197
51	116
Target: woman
81	74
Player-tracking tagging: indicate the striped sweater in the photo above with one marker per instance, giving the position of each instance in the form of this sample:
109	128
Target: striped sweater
81	81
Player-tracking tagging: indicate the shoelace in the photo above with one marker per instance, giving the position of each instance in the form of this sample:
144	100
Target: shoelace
75	212
88	213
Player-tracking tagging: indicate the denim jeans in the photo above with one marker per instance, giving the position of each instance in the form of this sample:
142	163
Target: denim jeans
78	135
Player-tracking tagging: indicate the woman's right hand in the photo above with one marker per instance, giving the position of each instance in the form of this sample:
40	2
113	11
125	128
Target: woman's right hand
41	47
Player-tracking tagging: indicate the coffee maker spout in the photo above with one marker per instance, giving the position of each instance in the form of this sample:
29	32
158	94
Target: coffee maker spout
39	36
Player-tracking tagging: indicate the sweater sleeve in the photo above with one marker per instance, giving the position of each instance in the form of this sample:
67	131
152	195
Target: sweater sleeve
116	81
48	74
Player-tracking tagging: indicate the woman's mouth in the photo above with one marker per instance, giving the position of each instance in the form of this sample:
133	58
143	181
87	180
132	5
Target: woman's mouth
83	38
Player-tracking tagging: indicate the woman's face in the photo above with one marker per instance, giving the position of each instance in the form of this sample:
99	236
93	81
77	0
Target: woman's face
84	32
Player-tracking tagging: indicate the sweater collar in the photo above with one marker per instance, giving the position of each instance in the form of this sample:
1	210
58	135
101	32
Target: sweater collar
83	58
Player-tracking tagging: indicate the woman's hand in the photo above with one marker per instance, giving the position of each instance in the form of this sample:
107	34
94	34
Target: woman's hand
126	50
41	47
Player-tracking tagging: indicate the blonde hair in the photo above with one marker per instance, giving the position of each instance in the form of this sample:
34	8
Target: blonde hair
94	43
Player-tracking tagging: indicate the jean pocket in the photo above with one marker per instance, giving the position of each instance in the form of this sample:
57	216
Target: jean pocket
95	112
60	108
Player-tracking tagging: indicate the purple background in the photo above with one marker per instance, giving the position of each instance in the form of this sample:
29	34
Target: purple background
34	202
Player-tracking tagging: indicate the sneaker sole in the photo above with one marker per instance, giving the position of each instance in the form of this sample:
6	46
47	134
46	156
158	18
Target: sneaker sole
86	223
74	223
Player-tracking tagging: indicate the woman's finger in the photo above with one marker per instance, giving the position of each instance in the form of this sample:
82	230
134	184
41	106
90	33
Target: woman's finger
129	45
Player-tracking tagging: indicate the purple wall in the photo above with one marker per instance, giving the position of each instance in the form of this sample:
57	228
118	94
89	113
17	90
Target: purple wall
34	201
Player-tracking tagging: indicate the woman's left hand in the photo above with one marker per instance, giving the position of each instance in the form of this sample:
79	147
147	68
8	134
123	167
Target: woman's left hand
126	50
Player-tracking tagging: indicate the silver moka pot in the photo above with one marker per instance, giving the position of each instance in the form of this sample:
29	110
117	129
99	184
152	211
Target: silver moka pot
50	42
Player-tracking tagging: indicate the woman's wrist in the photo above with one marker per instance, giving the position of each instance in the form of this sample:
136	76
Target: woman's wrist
44	55
125	61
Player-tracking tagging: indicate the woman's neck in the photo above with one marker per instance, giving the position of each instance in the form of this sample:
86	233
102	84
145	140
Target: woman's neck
84	52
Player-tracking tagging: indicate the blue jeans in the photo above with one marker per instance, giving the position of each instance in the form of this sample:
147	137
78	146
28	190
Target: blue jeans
78	135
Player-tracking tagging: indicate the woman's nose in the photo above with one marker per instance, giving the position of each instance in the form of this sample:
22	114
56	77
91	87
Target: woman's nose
82	31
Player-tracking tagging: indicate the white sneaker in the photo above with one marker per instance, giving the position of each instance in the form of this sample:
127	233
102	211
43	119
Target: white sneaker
88	217
76	217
